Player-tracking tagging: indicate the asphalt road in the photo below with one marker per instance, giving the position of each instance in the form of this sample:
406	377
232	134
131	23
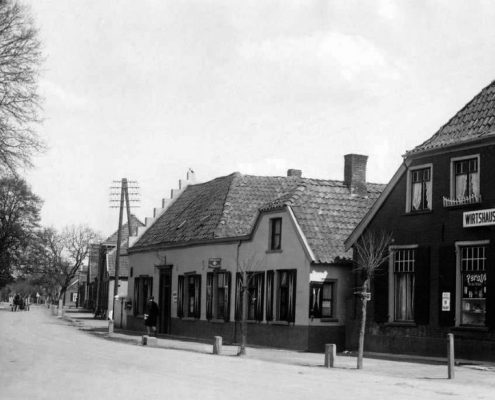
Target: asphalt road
43	357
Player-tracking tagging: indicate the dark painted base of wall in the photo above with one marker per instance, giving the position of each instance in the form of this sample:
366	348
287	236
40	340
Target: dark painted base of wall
470	344
294	337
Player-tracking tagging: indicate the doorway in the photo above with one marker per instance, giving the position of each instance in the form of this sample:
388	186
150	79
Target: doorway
165	294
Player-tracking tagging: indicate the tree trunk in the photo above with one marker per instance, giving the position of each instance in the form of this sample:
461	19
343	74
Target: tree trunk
362	328
244	301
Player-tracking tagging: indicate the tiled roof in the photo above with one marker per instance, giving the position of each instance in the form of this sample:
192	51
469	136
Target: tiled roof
135	223
474	121
123	263
228	207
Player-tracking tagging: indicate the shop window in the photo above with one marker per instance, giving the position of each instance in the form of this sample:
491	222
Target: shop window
218	295
473	285
420	189
322	300
275	233
189	296
286	295
143	289
403	283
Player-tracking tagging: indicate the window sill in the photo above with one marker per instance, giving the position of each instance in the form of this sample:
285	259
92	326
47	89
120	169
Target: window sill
422	212
402	324
189	319
217	321
286	323
274	251
470	328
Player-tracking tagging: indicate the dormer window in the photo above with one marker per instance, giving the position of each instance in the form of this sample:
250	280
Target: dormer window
419	189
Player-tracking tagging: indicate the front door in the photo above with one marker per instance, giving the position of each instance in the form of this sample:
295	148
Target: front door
165	295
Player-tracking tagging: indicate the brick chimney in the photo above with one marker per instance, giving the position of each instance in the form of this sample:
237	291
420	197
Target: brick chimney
294	172
355	173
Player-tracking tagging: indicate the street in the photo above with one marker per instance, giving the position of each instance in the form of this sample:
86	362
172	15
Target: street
44	357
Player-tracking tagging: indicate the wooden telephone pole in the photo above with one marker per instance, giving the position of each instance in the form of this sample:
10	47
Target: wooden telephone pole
124	185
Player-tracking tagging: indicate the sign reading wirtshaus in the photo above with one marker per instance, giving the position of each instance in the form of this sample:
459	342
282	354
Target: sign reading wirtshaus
478	218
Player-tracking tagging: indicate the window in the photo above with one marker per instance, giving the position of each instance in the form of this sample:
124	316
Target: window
143	289
321	299
473	285
420	189
218	295
275	233
403	280
466	178
189	296
286	295
256	281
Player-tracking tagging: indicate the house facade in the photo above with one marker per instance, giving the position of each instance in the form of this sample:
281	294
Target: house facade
285	233
440	275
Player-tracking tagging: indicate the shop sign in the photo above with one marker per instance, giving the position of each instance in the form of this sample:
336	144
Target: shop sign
446	301
478	218
174	297
214	263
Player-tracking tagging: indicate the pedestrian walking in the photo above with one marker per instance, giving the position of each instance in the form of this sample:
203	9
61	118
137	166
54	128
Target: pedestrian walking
17	302
151	316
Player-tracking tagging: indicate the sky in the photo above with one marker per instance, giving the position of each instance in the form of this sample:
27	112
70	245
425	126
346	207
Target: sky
148	89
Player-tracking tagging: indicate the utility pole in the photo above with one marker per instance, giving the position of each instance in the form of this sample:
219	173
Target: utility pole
124	185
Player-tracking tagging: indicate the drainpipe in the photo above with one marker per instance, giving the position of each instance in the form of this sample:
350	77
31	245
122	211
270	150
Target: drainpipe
235	284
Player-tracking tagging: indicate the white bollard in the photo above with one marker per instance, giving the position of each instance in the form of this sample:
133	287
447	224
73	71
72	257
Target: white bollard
450	356
330	354
217	346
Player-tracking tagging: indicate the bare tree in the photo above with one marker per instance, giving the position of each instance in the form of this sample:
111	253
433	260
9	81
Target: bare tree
20	59
58	257
371	252
247	269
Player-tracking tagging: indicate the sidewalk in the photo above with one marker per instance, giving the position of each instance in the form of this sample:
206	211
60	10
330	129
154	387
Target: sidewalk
397	365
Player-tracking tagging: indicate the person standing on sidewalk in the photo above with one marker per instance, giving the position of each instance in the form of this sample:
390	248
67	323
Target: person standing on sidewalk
151	316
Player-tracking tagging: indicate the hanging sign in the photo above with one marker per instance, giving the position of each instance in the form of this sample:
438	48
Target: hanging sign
478	218
214	263
446	301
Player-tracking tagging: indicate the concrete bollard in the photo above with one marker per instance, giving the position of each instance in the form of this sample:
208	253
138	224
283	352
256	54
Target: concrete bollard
450	356
110	326
217	346
330	354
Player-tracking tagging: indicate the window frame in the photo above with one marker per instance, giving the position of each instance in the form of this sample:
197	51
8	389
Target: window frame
291	308
453	162
321	284
186	296
139	298
392	283
256	283
458	282
274	234
409	191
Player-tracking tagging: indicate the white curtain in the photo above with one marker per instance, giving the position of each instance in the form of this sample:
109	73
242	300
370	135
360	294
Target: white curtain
460	186
404	297
428	195
416	195
475	184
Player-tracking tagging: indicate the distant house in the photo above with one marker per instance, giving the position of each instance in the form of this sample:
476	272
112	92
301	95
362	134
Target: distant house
440	209
101	270
287	233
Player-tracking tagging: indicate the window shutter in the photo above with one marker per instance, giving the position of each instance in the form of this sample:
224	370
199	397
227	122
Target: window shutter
136	295
197	296
180	297
209	295
260	289
380	293
447	274
490	285
228	279
422	286
292	275
238	288
269	295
